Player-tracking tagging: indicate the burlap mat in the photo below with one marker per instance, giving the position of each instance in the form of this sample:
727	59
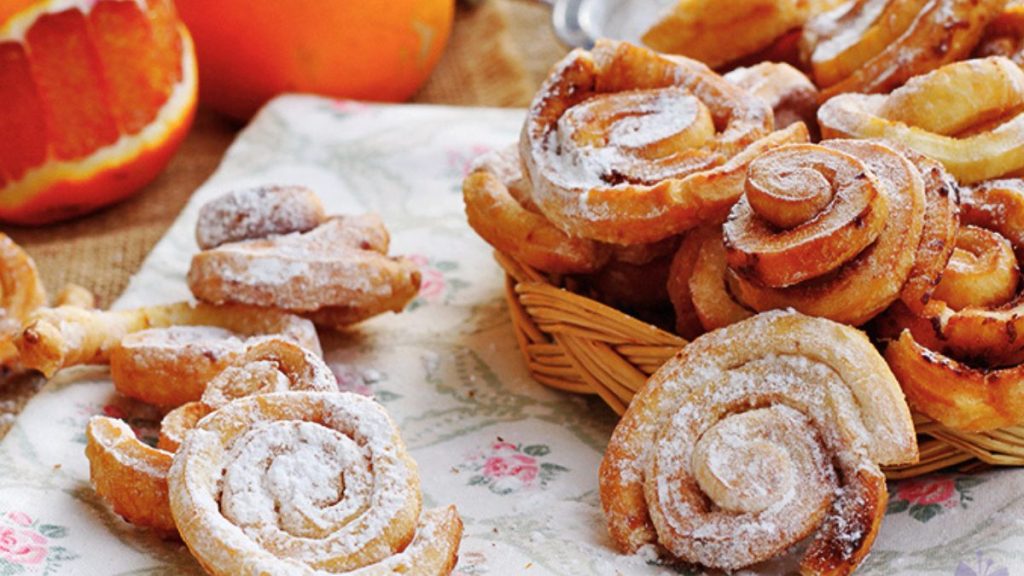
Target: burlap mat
497	55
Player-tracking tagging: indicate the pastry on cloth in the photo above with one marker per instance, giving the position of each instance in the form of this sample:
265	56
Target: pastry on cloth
21	293
874	46
961	358
306	483
627	146
834	229
55	338
336	273
755	437
703	30
258	213
132	476
976	139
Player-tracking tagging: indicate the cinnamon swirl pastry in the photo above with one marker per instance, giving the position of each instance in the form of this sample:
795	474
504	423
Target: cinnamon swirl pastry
976	138
305	484
132	476
831	230
961	358
754	437
698	285
874	46
792	96
626	146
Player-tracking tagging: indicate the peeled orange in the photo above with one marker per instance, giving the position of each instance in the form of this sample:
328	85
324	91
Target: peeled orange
95	96
369	50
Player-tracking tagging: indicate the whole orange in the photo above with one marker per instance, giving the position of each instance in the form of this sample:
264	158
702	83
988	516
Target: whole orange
364	49
95	96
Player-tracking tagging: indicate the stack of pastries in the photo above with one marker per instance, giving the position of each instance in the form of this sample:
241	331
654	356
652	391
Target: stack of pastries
839	233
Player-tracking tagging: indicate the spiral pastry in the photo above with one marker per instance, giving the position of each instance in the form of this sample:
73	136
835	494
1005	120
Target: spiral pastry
698	285
133	476
792	96
976	139
874	46
961	358
626	146
54	338
754	437
258	213
293	483
831	230
500	209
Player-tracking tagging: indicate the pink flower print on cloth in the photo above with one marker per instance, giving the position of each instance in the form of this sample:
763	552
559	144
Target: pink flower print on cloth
506	468
26	545
925	498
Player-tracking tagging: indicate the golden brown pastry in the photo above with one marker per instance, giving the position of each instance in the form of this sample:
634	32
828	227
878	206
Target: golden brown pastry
258	213
500	209
976	138
831	230
874	46
301	483
792	96
698	285
342	263
132	476
54	338
626	146
1004	36
754	437
703	30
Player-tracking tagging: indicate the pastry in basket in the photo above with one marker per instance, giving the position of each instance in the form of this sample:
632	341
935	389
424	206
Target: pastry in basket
961	359
500	208
55	338
836	229
755	437
1004	36
337	273
874	46
627	146
132	476
792	96
306	483
698	285
703	30
976	138
258	213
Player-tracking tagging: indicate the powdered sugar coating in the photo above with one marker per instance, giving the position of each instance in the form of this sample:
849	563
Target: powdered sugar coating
257	213
342	262
302	483
814	390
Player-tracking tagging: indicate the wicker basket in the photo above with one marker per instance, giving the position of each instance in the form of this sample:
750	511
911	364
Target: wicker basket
576	344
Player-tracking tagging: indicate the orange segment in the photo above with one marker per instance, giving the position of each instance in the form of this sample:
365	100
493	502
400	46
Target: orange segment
22	121
97	96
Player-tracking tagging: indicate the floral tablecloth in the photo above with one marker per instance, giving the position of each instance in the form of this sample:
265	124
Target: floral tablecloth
520	461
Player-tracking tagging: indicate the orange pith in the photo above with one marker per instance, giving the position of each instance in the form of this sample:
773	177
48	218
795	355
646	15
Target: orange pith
96	97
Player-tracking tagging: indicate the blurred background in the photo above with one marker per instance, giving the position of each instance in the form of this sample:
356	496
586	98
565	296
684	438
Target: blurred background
497	54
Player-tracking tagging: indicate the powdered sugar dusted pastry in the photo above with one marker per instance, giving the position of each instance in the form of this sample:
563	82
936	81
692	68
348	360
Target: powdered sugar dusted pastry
754	437
500	208
792	96
258	213
132	476
54	338
293	483
627	146
341	263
